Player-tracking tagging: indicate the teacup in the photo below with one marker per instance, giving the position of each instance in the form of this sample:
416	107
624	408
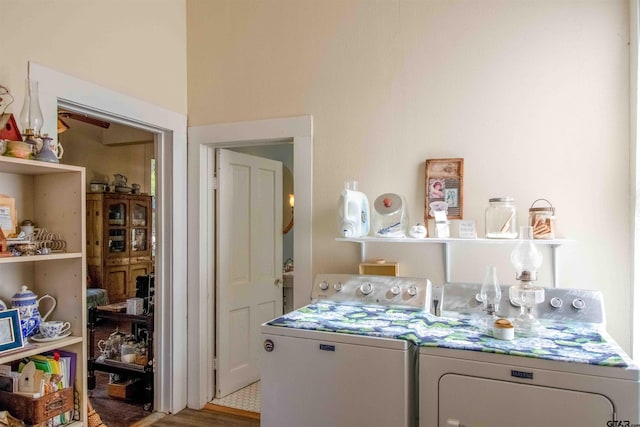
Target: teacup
54	328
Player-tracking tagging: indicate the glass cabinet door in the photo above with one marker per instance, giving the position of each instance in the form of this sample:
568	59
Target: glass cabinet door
117	212
117	241
139	213
139	240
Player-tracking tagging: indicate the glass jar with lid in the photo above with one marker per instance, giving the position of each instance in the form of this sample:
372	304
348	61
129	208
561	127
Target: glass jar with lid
543	220
500	218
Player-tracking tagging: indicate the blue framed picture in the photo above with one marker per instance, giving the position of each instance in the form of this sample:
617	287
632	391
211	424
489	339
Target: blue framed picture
10	332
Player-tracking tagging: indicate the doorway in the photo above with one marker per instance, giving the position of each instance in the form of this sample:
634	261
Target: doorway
120	253
203	140
169	129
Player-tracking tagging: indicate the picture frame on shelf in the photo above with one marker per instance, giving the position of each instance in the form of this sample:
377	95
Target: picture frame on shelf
444	182
10	330
8	215
467	229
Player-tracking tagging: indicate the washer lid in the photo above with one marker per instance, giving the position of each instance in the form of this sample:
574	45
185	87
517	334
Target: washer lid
388	204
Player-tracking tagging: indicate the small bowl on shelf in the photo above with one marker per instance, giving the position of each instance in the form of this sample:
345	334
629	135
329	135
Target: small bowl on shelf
27	249
124	190
19	150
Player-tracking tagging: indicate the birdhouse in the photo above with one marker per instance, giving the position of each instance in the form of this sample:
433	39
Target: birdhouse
9	128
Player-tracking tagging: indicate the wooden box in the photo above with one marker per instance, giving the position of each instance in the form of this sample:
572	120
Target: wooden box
125	389
35	411
379	268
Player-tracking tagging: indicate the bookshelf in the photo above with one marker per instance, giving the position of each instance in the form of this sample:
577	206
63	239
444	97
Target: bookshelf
53	196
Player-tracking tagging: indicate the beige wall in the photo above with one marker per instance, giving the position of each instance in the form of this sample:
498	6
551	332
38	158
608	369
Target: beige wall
137	48
83	145
533	95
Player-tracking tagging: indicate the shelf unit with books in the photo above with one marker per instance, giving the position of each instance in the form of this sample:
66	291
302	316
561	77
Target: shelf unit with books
53	197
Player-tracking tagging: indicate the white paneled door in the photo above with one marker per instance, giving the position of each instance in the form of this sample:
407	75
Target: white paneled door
249	263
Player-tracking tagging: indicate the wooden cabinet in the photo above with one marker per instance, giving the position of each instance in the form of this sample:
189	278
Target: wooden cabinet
118	242
53	196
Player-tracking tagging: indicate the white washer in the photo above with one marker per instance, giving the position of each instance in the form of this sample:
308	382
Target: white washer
475	388
338	362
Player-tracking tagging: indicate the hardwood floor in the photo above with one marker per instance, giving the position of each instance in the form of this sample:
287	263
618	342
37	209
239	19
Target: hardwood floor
203	418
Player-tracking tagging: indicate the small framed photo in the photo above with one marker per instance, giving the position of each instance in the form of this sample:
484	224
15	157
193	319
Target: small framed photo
451	197
10	331
444	183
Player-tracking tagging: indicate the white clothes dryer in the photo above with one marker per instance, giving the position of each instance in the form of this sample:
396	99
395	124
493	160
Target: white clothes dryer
572	374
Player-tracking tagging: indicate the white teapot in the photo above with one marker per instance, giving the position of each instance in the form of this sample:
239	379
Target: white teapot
27	304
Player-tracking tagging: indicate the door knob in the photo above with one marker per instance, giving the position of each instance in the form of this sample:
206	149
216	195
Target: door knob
277	282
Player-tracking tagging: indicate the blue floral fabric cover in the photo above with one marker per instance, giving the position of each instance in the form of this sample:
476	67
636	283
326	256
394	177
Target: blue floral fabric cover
559	342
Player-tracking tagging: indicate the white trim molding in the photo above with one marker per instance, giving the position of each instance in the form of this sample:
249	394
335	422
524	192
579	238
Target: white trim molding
634	26
170	128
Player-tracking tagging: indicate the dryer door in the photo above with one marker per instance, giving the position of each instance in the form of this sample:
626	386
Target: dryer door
471	401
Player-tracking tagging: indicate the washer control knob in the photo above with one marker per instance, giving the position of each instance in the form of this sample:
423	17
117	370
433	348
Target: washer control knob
479	297
413	291
578	303
396	290
338	286
555	302
324	285
366	288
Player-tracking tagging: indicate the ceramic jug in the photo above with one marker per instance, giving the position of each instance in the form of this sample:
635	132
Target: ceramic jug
46	154
27	304
120	180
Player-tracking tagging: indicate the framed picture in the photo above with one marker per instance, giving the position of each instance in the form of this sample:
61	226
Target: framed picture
10	331
444	183
8	215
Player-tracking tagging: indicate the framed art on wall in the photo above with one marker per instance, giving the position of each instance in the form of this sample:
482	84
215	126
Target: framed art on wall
444	183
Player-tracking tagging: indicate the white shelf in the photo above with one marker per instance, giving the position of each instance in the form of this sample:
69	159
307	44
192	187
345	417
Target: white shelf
32	258
32	348
552	242
33	167
447	242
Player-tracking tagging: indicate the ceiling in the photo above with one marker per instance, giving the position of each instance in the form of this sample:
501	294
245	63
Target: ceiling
109	133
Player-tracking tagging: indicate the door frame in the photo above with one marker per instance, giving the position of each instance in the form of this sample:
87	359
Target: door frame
170	129
202	142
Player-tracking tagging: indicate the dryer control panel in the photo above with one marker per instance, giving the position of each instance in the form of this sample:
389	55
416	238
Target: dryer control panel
405	292
560	304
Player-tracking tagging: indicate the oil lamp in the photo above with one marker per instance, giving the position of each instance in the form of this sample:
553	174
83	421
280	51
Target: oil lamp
526	259
490	295
31	115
